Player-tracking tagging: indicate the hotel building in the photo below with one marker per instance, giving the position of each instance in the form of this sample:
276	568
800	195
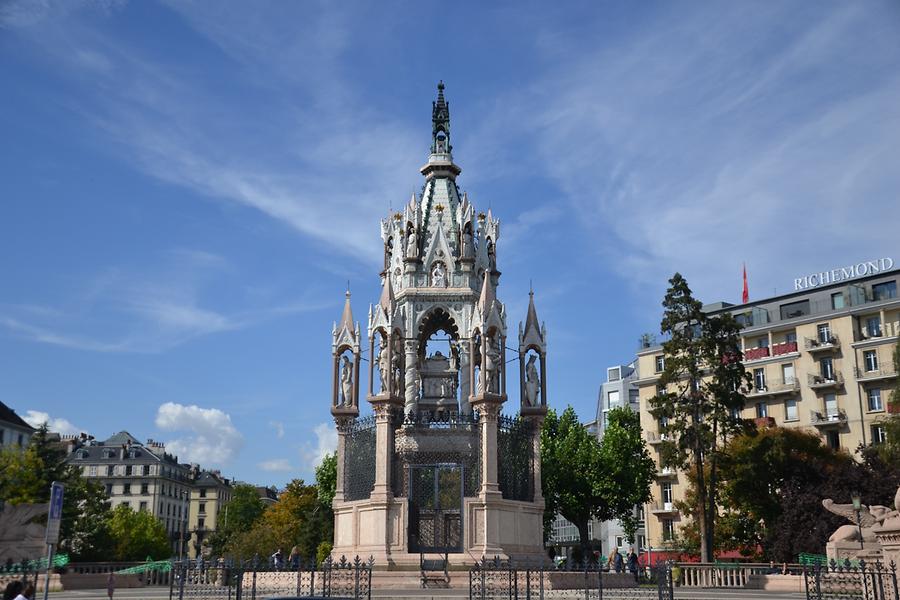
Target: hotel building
209	495
821	360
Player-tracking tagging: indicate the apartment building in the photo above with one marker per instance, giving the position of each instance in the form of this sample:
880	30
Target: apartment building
142	476
209	495
14	431
820	358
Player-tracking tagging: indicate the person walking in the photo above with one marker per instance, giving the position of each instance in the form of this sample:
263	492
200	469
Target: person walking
631	562
615	562
294	558
277	560
110	585
27	593
13	589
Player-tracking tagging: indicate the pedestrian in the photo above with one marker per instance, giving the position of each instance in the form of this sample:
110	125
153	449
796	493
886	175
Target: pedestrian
294	558
110	585
13	589
615	561
27	593
631	561
277	559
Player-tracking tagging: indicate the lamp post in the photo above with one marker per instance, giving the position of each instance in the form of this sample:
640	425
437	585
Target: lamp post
857	506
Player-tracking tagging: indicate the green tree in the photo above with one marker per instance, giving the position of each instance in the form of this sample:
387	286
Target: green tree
326	478
584	478
238	516
137	535
701	392
628	469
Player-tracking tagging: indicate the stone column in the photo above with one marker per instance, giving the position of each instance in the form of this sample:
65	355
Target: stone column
488	415
465	381
343	428
384	445
411	391
537	422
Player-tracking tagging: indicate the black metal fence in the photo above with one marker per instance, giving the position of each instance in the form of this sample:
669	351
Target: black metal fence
846	580
260	580
507	580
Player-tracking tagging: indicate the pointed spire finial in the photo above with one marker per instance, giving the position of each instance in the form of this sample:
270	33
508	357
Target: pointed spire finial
487	295
347	315
387	296
440	123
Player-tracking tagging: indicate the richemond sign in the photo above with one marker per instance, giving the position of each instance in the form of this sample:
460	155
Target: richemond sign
869	267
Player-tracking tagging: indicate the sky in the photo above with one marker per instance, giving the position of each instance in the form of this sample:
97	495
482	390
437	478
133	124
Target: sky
186	188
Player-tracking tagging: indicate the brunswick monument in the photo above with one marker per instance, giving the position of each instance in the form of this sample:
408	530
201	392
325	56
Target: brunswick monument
438	468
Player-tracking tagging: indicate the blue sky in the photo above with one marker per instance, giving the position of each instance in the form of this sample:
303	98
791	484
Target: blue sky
186	187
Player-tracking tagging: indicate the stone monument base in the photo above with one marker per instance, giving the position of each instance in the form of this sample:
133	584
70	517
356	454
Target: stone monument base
850	550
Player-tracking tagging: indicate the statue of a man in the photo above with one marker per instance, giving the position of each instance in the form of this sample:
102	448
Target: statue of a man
532	383
396	365
383	366
468	244
346	382
492	366
438	275
412	244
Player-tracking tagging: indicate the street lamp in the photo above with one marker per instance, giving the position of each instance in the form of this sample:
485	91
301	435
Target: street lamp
857	506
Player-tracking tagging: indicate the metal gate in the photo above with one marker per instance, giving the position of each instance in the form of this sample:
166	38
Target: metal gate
435	508
857	581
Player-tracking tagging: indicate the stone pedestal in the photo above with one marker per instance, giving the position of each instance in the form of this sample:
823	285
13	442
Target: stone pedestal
850	550
888	535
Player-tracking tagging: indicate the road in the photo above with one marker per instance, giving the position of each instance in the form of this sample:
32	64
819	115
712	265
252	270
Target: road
157	593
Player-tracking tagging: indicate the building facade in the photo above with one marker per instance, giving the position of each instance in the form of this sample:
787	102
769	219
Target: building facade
821	360
142	476
14	431
209	494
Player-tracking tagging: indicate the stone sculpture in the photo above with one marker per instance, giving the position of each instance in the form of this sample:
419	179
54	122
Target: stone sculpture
20	537
412	245
383	366
532	383
438	275
346	382
869	517
492	366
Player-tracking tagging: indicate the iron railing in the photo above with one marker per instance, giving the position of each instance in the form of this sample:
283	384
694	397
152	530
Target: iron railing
844	580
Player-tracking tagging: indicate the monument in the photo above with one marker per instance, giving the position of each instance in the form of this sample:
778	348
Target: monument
438	468
873	535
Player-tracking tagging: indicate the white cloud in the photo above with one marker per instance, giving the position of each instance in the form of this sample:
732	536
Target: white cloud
37	418
276	464
212	438
278	426
326	443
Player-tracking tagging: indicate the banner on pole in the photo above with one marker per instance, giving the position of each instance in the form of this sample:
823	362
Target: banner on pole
55	517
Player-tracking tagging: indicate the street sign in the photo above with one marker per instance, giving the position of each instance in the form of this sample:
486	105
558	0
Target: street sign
55	516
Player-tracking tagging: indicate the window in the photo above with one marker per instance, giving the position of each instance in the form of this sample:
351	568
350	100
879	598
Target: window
790	409
870	358
145	470
833	439
92	470
620	542
143	507
201	522
109	470
640	513
203	492
127	470
824	333
613	374
884	291
787	374
145	488
660	363
794	309
668	529
109	489
642	542
831	407
21	440
878	434
109	453
126	489
612	399
873	326
874	396
762	410
790	336
201	508
634	397
827	369
666	492
837	300
759	378
762	342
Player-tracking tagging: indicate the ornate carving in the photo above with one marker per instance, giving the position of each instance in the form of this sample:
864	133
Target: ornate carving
492	360
438	275
412	244
345	398
532	383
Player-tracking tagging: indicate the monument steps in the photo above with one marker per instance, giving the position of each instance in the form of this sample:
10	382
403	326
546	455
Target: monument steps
412	580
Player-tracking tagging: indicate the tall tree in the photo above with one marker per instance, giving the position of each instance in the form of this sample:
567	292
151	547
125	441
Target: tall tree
326	478
701	393
238	516
137	535
583	478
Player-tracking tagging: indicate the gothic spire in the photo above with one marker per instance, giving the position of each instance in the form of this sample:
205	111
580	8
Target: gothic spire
531	319
487	296
387	296
347	316
440	124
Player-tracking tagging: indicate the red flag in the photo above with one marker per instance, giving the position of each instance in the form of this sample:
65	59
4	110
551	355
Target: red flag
746	295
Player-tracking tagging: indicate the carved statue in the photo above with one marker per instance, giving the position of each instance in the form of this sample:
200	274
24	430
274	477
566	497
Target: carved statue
532	383
396	365
468	243
412	244
388	250
438	275
383	367
346	397
492	359
492	256
869	517
454	355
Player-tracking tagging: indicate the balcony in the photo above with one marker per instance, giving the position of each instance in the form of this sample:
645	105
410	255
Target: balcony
654	438
814	345
775	387
666	473
828	419
755	353
876	375
821	382
663	508
784	348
